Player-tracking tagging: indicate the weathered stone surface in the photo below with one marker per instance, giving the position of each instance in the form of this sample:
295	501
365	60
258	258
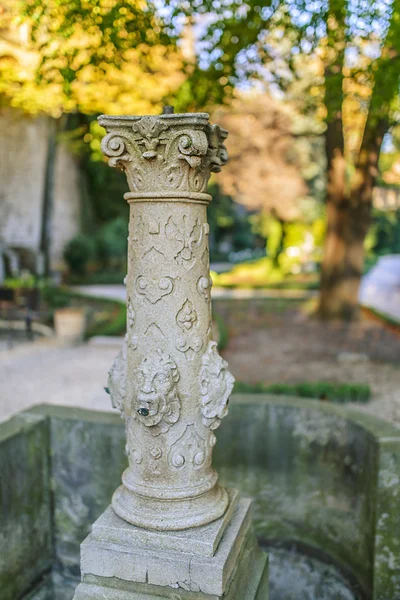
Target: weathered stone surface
135	563
25	517
43	591
312	478
85	471
200	540
169	382
387	529
296	576
269	448
249	582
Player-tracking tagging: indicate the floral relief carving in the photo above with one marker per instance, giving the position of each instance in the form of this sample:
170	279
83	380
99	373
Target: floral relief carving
154	288
186	316
169	382
116	385
216	384
189	449
149	138
156	400
186	238
190	347
204	285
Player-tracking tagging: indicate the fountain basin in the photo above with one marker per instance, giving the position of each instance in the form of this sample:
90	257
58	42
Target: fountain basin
325	481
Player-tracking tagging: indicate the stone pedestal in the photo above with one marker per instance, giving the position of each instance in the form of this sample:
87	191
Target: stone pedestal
172	531
128	563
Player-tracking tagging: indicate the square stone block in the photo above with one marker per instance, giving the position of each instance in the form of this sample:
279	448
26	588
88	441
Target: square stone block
250	582
197	540
173	569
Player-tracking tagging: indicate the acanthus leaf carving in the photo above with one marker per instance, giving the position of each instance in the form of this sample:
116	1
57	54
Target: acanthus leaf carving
155	399
149	130
160	153
216	384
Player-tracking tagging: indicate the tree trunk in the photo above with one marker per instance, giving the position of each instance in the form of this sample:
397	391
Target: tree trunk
348	220
348	223
349	207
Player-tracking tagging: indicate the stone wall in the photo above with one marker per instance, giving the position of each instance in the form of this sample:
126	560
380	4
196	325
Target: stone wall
23	154
25	513
66	211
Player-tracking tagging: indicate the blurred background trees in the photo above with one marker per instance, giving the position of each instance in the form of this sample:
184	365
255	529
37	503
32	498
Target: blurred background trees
308	91
352	50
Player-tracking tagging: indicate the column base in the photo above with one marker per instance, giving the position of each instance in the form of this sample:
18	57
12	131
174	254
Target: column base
150	568
163	515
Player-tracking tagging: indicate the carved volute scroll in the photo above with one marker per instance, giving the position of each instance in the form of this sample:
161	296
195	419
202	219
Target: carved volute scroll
169	382
165	153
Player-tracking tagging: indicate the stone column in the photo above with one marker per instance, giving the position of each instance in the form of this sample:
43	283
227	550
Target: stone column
169	382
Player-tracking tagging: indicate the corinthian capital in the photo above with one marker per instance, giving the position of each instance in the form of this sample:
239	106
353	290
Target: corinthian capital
166	155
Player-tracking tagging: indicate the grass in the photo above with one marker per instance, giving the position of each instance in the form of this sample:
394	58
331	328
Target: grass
339	393
262	274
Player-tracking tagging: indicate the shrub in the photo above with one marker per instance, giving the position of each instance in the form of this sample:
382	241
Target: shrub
78	252
112	243
334	392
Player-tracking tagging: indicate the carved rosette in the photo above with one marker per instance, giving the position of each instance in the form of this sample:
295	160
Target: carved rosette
169	382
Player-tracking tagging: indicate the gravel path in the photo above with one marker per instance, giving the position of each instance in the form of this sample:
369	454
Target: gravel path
43	372
281	344
270	341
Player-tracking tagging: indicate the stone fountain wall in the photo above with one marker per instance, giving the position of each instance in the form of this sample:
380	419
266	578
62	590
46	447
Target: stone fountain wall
320	475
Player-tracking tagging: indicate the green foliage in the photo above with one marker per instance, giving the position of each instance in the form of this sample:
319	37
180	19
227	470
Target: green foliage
262	273
384	235
228	221
112	243
56	297
26	281
78	252
113	325
105	316
113	56
334	392
104	250
223	333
